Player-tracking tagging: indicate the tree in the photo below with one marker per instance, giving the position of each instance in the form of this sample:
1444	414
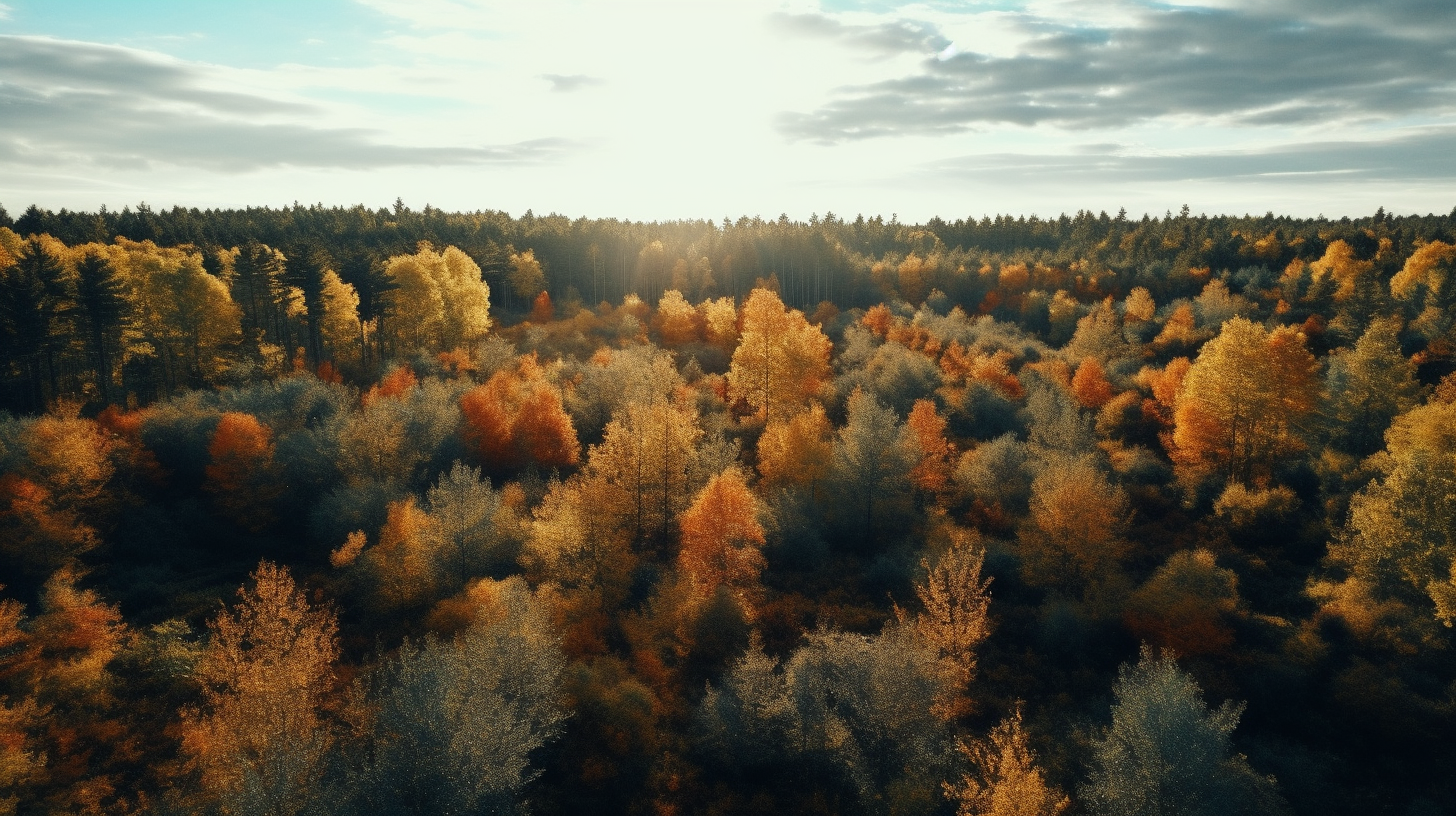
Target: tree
647	466
1400	540
796	450
102	308
1186	605
1368	386
1090	386
873	455
441	301
516	418
339	328
722	539
257	740
846	722
1007	781
1241	403
257	288
1167	754
240	476
527	277
463	507
955	603
932	473
1074	533
35	306
781	361
677	322
305	268
455	723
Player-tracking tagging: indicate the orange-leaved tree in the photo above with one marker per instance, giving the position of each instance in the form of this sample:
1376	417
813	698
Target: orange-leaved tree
516	418
240	476
722	538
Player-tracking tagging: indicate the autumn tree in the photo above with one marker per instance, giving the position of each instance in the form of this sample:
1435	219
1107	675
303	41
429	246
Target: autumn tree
781	361
1399	542
257	740
340	331
953	595
647	466
1006	780
1167	754
527	278
676	321
932	474
1241	403
1074	535
796	450
722	538
240	476
441	301
516	418
1187	606
1089	384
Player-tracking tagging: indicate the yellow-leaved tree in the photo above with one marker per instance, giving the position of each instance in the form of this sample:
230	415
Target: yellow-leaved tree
257	740
1241	403
441	302
782	359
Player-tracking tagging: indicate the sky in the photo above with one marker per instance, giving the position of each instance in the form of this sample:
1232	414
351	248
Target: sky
669	109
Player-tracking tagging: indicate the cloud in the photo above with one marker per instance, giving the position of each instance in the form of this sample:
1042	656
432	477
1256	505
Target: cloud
884	39
69	103
1426	155
1243	66
5	11
566	83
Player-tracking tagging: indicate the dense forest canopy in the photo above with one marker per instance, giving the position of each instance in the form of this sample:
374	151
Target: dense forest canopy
332	510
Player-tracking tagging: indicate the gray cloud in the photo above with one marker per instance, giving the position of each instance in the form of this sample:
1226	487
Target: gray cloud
1277	64
566	83
887	39
1428	155
63	102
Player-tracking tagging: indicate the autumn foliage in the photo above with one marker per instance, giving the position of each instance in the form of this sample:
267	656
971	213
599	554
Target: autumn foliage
516	417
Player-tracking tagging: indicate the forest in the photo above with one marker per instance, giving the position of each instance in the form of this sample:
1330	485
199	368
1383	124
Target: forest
322	510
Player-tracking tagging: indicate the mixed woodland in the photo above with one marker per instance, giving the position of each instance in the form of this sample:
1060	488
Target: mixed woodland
345	511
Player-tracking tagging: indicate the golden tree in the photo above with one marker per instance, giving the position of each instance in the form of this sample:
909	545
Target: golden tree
257	740
954	597
1074	534
1007	780
1242	400
646	464
796	451
781	361
441	302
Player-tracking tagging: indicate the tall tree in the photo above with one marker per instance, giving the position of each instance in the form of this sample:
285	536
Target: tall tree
102	307
455	723
257	740
1007	780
